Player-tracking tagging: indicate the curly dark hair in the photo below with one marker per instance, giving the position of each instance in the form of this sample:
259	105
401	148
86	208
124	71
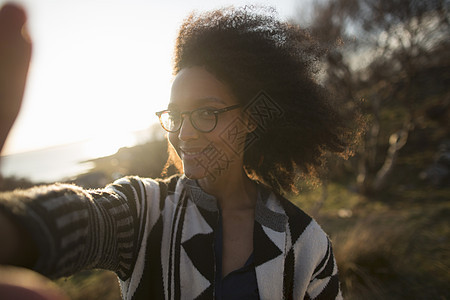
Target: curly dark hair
251	51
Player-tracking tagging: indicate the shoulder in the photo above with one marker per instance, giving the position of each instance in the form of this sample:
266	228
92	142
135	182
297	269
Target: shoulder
301	227
170	184
137	182
145	190
294	213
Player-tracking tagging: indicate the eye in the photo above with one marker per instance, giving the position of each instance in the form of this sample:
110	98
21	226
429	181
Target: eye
205	113
174	115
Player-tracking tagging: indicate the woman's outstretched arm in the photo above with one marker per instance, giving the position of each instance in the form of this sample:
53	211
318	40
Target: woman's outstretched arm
75	229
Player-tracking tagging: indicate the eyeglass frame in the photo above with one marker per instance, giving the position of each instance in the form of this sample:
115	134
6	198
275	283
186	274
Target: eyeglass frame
216	113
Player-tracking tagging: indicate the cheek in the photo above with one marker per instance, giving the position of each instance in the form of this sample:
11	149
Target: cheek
232	137
173	139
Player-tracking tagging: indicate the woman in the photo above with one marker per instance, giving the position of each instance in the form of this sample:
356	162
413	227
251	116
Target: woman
245	115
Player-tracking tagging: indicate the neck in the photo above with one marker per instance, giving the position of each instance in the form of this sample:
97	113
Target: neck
237	192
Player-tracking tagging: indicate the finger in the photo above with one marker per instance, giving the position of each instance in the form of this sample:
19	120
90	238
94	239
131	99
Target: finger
12	19
15	54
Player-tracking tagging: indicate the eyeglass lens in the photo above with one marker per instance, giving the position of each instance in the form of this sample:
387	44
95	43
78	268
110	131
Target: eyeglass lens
202	120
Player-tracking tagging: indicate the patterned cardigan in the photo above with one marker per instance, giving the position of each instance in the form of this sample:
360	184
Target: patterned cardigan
157	235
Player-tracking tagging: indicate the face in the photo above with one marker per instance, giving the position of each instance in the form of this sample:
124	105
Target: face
217	153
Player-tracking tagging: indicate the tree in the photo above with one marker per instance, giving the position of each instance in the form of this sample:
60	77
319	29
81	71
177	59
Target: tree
393	55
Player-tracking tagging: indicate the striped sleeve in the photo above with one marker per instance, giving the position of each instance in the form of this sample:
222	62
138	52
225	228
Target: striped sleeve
325	282
76	229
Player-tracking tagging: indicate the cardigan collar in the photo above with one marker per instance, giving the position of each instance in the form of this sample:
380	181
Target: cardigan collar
263	214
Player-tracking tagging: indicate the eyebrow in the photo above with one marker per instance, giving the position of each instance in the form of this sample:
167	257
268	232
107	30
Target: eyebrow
199	102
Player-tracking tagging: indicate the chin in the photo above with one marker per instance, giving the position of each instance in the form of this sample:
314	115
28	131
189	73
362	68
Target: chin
194	173
193	176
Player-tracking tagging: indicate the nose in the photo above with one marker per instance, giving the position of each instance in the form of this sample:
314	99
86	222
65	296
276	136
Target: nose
187	131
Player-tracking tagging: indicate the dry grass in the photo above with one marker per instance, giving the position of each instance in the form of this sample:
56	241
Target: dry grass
368	256
398	249
396	255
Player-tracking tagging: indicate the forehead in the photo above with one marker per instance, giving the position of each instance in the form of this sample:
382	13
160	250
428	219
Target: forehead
195	87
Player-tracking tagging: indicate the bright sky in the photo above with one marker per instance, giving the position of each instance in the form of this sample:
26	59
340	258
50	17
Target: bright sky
101	66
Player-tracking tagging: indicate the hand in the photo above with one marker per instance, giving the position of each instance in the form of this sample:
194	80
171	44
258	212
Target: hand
15	54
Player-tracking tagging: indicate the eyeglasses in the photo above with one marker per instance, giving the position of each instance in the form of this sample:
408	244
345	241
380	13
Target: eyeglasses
202	119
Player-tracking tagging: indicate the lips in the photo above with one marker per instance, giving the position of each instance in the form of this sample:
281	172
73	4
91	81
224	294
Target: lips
188	152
